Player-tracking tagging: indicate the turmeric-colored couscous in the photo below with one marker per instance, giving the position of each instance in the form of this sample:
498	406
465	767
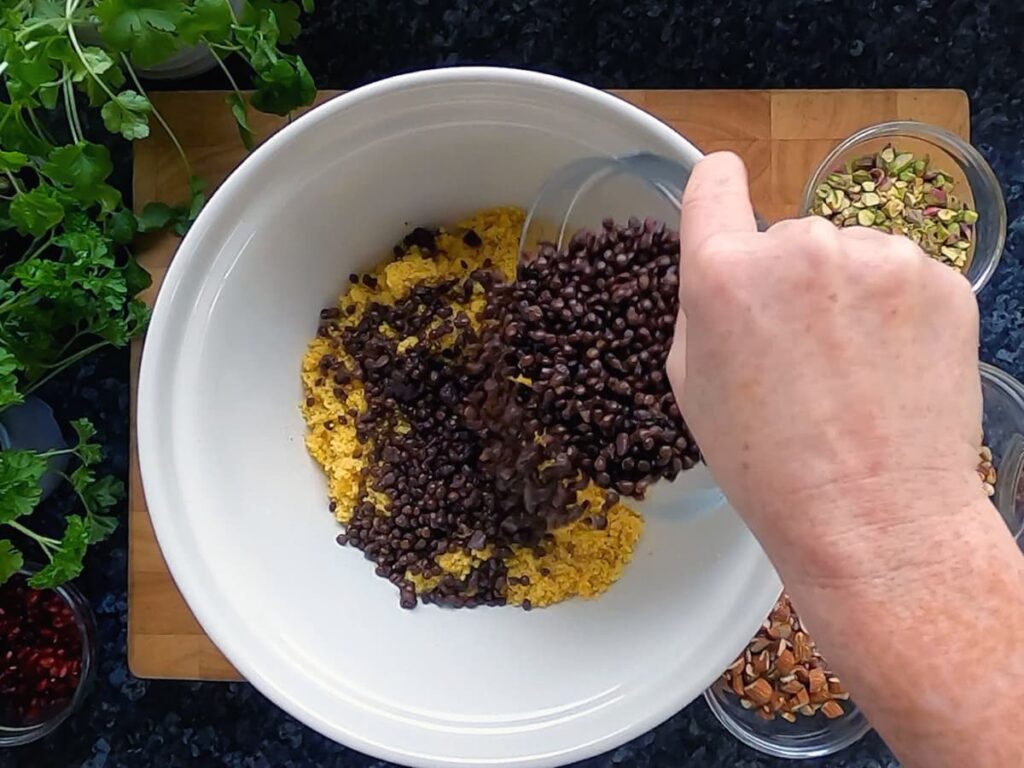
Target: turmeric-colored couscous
345	434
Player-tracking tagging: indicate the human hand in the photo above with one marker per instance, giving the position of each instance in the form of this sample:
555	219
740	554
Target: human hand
822	369
831	380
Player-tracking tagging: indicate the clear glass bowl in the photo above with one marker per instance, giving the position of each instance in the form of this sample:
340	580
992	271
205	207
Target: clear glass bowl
975	182
1003	424
808	737
16	736
581	194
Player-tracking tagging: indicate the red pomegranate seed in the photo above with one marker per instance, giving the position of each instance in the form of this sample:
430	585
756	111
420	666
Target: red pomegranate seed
40	654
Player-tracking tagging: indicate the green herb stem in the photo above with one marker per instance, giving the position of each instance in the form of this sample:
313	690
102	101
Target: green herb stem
69	8
223	66
57	367
41	132
72	112
53	22
81	498
14	182
223	47
157	115
38	251
44	541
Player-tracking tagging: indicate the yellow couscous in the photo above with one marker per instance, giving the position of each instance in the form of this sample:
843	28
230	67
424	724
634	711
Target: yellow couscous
578	559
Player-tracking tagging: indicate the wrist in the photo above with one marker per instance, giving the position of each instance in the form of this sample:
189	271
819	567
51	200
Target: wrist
872	529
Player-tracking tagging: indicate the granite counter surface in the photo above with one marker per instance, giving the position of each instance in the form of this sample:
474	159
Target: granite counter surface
974	45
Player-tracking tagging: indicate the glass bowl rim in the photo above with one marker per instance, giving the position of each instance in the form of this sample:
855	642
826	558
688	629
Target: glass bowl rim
11	736
938	136
839	739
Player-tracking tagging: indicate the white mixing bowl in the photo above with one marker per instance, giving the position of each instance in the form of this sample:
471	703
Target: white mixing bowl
241	511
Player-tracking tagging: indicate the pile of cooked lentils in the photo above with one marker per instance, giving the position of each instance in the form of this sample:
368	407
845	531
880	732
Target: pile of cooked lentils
483	420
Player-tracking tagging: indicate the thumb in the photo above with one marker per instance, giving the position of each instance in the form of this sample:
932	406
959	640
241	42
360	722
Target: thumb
716	199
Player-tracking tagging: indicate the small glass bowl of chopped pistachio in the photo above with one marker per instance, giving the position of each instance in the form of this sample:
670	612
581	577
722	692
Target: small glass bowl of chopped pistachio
920	181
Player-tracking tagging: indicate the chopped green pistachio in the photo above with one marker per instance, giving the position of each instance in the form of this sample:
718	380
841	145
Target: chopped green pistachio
898	192
903	164
950	253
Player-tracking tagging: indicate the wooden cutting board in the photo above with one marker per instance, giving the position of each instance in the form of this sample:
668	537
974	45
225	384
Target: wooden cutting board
782	135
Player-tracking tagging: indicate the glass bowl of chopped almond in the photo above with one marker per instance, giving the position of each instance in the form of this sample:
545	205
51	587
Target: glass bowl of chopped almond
780	697
1001	468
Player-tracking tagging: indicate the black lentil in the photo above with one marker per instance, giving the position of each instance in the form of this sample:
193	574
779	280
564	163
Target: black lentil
479	440
589	327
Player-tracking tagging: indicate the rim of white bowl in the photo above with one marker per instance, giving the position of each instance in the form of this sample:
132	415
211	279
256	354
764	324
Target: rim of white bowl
155	461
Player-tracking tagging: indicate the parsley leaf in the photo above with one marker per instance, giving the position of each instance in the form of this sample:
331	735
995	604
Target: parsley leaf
9	367
158	215
20	472
65	299
145	29
127	114
93	62
121	227
16	135
36	211
111	76
100	527
197	196
78	166
209	19
88	452
102	494
237	104
11	560
66	561
27	71
12	161
283	87
155	216
286	17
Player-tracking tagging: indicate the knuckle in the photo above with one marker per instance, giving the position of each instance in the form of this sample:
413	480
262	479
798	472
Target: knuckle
813	235
820	234
709	273
718	248
956	289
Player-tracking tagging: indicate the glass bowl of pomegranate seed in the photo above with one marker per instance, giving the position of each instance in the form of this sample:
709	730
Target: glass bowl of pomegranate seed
47	657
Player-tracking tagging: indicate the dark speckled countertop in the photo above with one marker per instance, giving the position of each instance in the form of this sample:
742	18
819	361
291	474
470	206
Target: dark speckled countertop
972	45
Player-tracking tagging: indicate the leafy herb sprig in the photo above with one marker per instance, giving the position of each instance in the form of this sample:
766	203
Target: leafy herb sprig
20	473
68	280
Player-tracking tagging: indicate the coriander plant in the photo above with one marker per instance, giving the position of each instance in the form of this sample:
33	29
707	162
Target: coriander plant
68	280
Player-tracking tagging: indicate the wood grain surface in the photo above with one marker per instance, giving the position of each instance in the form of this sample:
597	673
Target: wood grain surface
782	135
